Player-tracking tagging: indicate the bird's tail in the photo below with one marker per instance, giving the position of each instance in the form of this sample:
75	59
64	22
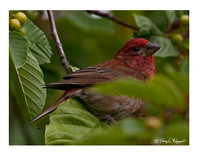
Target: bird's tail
62	85
50	109
64	97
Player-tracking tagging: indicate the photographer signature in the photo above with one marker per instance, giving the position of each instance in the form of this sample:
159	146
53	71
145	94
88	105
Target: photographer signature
169	141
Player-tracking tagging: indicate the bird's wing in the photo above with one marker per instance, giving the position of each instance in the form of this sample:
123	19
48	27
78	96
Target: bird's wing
102	72
88	76
92	75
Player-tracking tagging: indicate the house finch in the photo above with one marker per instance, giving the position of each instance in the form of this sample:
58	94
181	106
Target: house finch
135	59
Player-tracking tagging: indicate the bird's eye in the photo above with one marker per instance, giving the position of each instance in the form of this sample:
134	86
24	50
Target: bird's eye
135	49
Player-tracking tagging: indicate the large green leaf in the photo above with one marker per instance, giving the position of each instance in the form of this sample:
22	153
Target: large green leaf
37	42
160	90
170	15
125	132
147	27
167	49
90	22
18	48
181	79
28	79
70	122
134	131
151	32
137	131
177	133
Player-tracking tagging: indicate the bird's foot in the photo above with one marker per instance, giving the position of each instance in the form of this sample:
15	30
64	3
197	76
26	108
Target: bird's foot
109	119
141	115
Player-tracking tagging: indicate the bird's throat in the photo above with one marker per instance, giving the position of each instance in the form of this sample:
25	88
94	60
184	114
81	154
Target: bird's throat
143	64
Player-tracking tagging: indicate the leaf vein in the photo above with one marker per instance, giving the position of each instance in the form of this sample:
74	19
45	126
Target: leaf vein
31	74
32	91
32	83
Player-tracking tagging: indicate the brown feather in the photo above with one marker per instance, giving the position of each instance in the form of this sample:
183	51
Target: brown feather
102	72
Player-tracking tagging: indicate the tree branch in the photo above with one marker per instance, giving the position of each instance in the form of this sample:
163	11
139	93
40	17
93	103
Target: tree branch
113	18
58	43
11	14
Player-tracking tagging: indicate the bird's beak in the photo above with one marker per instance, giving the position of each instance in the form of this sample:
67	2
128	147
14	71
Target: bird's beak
151	49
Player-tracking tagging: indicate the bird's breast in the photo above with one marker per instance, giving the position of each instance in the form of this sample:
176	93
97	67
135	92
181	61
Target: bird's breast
143	65
116	106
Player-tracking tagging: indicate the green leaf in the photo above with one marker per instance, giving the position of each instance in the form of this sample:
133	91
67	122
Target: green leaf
151	32
28	81
74	68
185	66
177	132
127	131
90	22
147	27
70	121
170	15
167	49
182	80
37	42
160	90
18	48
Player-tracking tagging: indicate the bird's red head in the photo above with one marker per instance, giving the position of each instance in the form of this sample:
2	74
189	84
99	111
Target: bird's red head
137	54
138	46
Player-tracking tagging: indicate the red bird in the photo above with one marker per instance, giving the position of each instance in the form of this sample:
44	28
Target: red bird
135	59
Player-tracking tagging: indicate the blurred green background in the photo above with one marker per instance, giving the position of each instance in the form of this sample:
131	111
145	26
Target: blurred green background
87	40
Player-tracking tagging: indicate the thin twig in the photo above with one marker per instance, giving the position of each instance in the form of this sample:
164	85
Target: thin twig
11	14
185	34
58	43
113	18
171	27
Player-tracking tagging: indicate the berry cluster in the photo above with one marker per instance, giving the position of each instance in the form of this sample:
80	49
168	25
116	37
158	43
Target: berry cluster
184	23
16	22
